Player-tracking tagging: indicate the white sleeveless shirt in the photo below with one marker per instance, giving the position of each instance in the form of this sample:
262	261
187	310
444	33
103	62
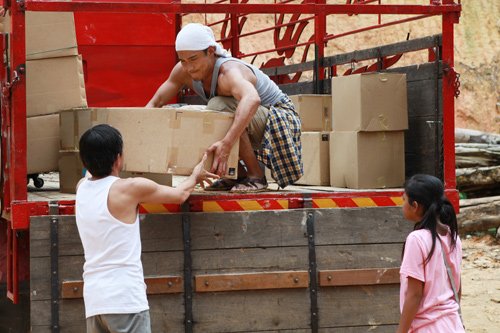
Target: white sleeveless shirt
112	273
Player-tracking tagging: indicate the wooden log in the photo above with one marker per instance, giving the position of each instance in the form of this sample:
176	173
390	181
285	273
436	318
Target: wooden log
463	135
478	201
476	155
473	177
480	224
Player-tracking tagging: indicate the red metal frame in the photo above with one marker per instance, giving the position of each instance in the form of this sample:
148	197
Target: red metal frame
18	210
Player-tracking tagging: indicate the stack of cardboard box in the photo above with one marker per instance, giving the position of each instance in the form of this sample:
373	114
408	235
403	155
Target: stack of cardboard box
158	142
54	82
316	115
369	119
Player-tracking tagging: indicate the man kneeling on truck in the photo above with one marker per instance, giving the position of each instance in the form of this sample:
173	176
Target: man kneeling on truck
107	218
265	119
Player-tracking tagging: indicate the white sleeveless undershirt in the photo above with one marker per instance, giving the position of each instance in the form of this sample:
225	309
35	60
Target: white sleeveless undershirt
112	274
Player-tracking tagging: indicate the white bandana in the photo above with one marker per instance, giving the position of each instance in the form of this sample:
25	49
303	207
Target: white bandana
198	37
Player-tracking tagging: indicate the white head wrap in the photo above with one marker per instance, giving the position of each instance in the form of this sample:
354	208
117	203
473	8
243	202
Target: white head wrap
198	37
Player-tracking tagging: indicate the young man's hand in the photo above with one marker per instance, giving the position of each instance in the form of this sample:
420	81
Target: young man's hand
201	175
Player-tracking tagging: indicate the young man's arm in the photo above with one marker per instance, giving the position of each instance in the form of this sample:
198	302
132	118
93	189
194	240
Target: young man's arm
169	88
126	194
411	305
241	85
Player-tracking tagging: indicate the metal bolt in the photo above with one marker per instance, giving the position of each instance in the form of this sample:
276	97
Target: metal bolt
296	280
329	278
206	283
75	289
170	284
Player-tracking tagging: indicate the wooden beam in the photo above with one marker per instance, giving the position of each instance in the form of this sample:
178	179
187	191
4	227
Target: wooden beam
251	281
155	286
358	277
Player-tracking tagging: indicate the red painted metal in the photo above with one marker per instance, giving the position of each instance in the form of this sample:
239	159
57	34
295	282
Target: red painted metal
106	6
448	22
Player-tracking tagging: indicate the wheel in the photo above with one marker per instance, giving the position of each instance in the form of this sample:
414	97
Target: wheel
38	182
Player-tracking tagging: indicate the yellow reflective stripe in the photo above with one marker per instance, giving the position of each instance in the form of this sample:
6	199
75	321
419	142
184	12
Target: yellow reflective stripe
325	203
364	202
212	206
250	205
397	200
154	208
283	203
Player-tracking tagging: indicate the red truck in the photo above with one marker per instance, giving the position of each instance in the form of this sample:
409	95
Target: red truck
303	259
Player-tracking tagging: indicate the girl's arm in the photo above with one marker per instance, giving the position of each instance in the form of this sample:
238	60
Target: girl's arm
411	305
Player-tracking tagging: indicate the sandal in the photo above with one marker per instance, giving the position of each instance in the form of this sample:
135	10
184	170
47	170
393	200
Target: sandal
222	184
250	185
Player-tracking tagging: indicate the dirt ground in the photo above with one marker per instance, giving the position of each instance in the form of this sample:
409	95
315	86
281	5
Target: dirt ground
481	284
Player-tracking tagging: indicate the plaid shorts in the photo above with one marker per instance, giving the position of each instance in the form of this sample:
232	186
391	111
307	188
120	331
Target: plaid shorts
281	147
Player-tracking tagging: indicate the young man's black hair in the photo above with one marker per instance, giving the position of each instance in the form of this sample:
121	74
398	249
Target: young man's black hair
99	149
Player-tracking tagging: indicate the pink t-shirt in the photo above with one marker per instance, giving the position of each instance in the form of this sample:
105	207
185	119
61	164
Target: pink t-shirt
438	299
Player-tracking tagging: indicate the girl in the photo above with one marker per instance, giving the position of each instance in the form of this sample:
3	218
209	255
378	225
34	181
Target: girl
427	299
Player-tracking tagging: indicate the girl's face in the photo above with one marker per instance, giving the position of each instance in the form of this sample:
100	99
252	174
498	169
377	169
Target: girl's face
411	211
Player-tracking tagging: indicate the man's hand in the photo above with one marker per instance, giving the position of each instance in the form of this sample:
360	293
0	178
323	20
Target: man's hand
201	175
221	151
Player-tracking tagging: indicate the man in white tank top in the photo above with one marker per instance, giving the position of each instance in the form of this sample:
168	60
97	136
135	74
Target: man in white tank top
265	119
108	223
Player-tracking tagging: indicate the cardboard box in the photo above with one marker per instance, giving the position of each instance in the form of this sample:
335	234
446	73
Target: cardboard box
71	170
367	159
42	143
53	85
369	102
316	158
159	140
315	112
48	34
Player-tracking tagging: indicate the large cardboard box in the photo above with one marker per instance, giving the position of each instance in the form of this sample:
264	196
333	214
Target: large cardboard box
54	84
315	112
71	170
316	158
370	102
161	140
42	143
367	159
48	34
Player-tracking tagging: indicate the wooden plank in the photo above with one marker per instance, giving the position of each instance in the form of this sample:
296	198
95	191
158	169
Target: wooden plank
383	51
361	329
360	226
240	311
358	306
159	232
358	277
157	285
247	260
166	311
248	229
360	55
251	281
71	268
359	256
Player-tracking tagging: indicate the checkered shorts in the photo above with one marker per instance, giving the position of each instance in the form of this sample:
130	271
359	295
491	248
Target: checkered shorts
281	147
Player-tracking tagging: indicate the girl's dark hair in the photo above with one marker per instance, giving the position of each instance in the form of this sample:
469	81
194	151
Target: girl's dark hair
428	192
99	149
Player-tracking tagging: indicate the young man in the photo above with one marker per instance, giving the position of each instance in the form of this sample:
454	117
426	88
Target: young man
108	223
265	118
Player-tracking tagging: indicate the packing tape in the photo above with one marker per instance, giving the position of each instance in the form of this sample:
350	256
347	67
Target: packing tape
176	122
383	121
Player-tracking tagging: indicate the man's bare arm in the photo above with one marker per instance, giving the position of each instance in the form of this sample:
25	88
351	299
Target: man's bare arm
169	88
